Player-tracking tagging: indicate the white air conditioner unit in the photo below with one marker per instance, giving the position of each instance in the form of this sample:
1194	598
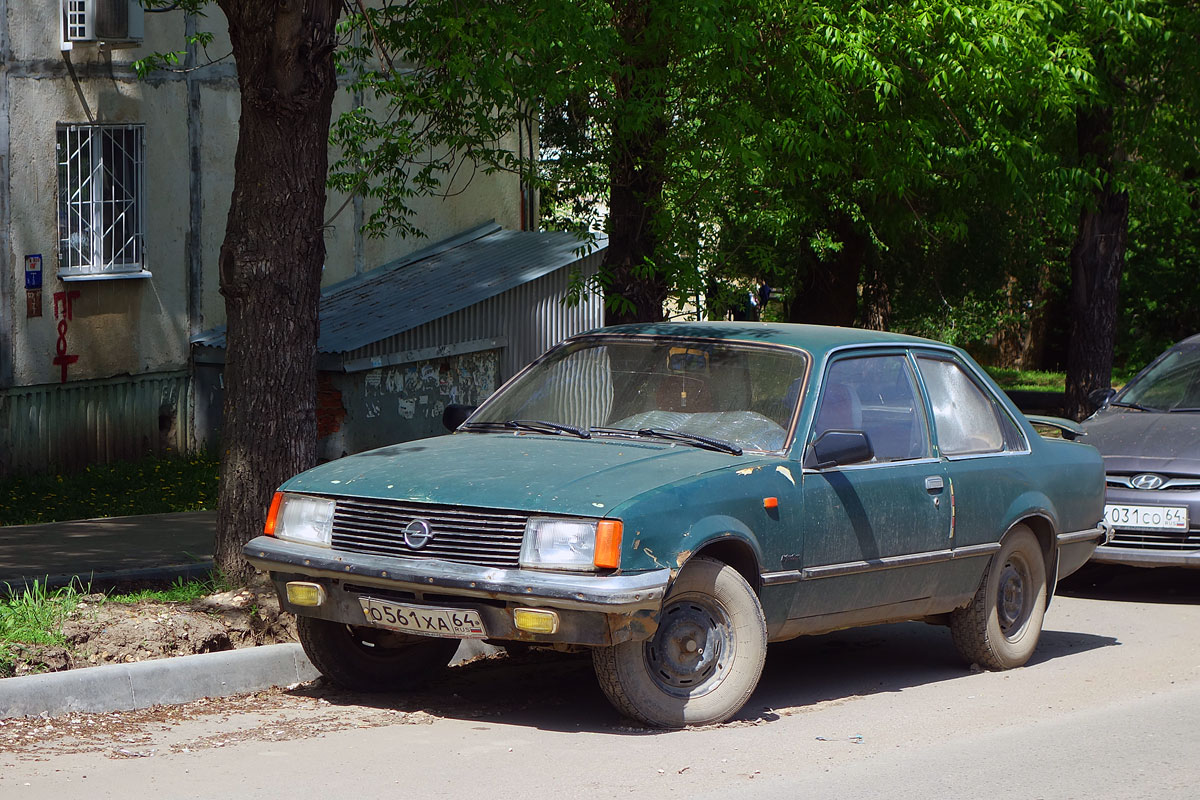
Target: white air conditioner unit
109	21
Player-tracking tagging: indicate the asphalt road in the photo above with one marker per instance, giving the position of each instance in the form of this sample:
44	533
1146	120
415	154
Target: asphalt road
1108	708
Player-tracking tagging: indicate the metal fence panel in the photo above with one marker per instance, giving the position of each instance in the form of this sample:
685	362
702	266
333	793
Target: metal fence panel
71	425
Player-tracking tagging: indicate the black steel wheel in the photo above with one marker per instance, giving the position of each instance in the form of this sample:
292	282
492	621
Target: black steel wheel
1000	628
704	660
372	659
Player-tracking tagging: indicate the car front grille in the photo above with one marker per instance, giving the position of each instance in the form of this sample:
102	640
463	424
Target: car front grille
479	536
1177	483
1156	540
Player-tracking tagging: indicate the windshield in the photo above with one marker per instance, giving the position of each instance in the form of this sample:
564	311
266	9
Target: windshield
1171	384
732	393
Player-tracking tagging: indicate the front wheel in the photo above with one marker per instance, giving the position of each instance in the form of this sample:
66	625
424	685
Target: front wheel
368	659
1000	628
704	660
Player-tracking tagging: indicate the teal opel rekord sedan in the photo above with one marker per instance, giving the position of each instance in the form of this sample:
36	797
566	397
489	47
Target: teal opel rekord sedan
673	497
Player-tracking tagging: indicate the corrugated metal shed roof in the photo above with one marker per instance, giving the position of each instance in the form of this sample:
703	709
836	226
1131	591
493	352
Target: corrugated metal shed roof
430	284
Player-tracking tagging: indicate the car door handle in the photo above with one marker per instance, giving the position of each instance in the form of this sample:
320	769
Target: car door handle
934	484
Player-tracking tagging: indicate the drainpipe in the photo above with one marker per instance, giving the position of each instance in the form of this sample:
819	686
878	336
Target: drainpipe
7	277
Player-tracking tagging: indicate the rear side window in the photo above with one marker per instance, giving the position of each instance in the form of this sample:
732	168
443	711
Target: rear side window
965	417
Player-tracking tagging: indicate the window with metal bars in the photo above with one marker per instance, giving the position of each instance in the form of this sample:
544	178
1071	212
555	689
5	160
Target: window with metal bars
76	13
101	188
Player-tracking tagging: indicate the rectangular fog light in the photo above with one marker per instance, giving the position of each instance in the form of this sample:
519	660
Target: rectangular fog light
535	620
308	595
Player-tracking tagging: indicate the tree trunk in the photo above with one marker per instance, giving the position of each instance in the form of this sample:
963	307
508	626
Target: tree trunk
877	299
271	259
1097	260
830	292
635	292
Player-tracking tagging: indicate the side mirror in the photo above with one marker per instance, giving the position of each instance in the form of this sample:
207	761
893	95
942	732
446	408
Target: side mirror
456	414
1099	398
835	448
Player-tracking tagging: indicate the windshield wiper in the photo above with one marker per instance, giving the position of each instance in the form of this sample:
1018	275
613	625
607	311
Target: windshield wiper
1173	410
542	426
1137	406
691	438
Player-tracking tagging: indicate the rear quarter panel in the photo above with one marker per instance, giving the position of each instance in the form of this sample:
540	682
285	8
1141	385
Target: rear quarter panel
1059	480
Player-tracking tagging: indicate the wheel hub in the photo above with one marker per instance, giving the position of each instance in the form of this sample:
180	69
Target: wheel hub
1012	600
690	647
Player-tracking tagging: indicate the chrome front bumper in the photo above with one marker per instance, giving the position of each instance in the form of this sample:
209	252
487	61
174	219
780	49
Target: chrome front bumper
1136	557
611	594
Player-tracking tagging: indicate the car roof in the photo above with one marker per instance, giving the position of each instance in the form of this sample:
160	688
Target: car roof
817	339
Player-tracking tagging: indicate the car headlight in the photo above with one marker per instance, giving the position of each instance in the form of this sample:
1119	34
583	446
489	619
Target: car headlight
571	544
300	518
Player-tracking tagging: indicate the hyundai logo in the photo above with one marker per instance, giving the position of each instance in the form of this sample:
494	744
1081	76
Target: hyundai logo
417	534
1146	481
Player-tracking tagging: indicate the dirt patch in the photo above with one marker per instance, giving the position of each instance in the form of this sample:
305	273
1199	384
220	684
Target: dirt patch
484	690
101	632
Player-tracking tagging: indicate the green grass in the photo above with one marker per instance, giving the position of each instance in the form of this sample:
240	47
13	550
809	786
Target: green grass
1031	380
34	616
180	591
1028	380
149	486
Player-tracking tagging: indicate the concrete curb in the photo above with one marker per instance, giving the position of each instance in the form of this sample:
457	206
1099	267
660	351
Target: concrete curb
123	687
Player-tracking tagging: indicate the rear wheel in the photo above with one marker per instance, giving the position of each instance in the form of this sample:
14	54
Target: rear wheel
704	660
1000	628
372	659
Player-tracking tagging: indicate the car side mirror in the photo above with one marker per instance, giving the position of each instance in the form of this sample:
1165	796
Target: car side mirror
836	448
456	414
1101	397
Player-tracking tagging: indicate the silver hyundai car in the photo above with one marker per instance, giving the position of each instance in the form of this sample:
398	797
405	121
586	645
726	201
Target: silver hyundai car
1149	435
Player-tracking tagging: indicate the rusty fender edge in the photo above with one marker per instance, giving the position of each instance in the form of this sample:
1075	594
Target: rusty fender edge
610	594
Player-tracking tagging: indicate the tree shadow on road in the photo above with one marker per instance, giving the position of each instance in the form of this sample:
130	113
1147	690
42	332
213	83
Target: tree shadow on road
1119	583
558	692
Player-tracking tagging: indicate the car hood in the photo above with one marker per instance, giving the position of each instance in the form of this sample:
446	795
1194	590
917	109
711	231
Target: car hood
554	474
1146	440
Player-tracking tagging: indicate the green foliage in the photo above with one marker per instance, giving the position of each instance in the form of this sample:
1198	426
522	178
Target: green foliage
936	138
178	60
440	92
1159	290
150	486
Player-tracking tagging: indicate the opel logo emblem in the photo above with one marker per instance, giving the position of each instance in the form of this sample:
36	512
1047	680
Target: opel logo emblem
417	534
1146	481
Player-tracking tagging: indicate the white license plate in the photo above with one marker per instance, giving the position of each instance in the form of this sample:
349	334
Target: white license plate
455	623
1147	518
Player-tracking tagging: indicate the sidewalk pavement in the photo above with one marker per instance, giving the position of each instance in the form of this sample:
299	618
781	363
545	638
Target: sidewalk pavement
102	553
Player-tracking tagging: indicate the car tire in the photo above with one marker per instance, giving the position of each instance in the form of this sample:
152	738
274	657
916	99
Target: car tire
1000	627
702	663
368	659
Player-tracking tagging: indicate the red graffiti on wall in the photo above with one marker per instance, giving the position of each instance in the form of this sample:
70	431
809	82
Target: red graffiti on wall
64	312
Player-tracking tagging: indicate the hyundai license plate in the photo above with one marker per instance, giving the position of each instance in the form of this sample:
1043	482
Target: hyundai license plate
454	623
1147	518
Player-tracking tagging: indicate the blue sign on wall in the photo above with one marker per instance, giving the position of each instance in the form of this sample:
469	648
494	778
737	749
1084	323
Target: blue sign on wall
33	271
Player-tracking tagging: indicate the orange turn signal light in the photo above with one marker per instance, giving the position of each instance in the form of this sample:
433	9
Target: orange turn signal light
770	502
608	544
269	528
